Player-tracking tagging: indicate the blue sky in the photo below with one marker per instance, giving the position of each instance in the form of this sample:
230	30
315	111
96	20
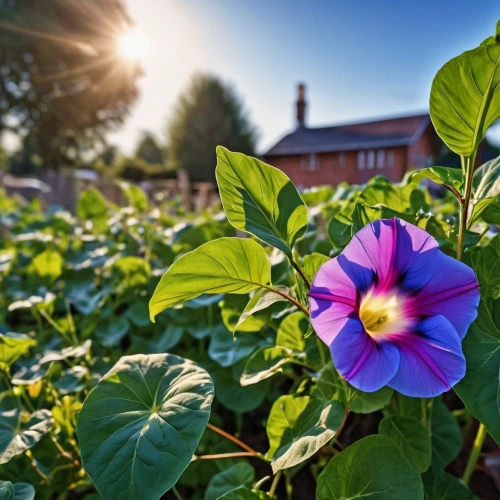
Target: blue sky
358	58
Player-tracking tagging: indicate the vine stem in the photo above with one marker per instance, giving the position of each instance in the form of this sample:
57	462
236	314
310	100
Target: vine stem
232	438
274	484
468	164
300	272
229	455
287	297
474	455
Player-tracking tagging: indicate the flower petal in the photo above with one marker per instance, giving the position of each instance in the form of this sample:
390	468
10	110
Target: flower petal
451	291
431	360
366	364
332	299
395	251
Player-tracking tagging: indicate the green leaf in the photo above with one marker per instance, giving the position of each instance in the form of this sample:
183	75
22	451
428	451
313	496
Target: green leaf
233	307
312	262
232	395
162	342
480	387
339	231
12	347
292	330
244	494
48	264
72	380
446	438
260	200
134	271
136	197
332	386
16	491
261	299
139	427
439	485
298	427
268	361
412	439
226	265
440	175
19	433
371	468
465	97
226	350
92	206
234	477
109	332
486	188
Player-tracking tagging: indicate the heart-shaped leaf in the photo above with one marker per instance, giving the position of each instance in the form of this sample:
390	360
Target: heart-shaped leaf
298	427
12	347
139	427
332	386
268	361
486	188
446	176
230	479
16	491
260	200
226	265
443	486
465	97
20	432
371	468
412	439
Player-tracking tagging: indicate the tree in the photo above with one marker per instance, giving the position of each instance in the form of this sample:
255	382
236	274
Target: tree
62	79
208	114
149	150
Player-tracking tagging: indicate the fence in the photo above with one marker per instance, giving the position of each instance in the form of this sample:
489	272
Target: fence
64	189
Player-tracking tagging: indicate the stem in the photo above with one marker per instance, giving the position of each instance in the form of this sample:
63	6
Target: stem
176	493
287	297
56	326
232	438
474	455
469	175
300	273
342	424
274	484
230	455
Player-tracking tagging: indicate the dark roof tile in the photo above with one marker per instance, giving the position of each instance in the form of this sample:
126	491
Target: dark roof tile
388	132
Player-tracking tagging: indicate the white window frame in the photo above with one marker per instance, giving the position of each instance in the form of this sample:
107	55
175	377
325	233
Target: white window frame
370	159
380	158
361	160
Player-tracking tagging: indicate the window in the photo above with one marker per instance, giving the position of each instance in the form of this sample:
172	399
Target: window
361	160
341	160
381	158
371	159
390	158
309	163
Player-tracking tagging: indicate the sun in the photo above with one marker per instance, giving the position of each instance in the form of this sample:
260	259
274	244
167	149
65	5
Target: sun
133	45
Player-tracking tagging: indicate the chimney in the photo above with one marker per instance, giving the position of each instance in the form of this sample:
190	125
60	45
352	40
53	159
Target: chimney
301	105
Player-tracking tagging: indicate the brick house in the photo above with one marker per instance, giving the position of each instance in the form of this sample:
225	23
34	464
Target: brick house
353	152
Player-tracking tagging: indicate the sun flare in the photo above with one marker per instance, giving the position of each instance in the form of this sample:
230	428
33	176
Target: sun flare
133	45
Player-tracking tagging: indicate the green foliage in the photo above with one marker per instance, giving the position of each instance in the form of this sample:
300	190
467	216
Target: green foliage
370	468
298	427
412	439
208	114
260	200
153	410
465	98
236	476
226	265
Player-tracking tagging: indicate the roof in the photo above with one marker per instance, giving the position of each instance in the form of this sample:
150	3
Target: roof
399	131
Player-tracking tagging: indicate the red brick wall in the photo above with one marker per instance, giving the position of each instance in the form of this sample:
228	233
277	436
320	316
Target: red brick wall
330	172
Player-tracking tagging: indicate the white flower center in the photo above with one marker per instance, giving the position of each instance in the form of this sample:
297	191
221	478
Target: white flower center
383	314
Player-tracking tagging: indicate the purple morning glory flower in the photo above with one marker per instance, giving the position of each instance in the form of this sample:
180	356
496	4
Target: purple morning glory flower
393	309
